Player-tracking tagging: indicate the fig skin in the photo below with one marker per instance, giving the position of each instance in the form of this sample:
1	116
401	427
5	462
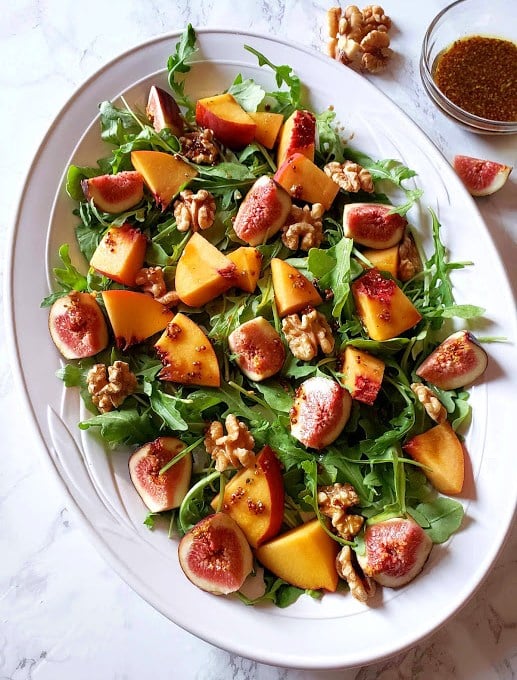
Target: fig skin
263	211
114	193
215	555
373	225
458	361
395	551
320	411
481	177
164	112
259	350
77	326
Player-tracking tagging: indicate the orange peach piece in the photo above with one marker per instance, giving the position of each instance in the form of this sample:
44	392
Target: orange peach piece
187	355
203	272
385	260
304	557
229	122
384	309
134	316
254	498
304	181
440	450
293	291
164	174
298	135
120	254
268	126
362	374
248	262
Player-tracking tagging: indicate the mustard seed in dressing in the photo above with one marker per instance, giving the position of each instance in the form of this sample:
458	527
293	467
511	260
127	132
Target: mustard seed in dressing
479	74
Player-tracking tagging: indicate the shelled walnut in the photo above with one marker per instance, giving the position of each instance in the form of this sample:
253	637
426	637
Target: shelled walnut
433	406
234	449
110	386
304	228
199	147
361	587
350	176
151	280
334	501
194	210
306	335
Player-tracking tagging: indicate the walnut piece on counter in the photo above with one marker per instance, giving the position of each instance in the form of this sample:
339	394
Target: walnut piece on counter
361	587
194	210
334	501
374	19
199	147
303	229
151	280
433	406
306	335
110	387
350	176
410	262
231	450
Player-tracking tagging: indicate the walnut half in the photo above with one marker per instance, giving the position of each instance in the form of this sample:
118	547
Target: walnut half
194	210
233	449
306	335
110	387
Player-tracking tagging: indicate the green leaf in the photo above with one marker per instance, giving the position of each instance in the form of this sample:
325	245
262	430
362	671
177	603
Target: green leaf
165	406
177	63
284	75
332	268
443	515
127	426
67	276
330	144
74	176
117	124
247	93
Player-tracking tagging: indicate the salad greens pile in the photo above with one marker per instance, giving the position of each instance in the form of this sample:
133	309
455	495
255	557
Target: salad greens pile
368	454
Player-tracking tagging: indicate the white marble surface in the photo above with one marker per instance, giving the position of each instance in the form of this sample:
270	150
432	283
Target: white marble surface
64	614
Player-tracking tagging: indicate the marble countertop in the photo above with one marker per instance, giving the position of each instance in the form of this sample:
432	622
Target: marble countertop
64	613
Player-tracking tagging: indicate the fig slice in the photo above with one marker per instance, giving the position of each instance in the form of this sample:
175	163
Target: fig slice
164	112
114	193
165	491
263	211
215	555
458	361
320	411
373	224
258	348
77	326
481	177
395	551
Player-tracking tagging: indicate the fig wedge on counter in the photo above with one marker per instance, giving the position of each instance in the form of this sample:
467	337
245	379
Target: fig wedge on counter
481	177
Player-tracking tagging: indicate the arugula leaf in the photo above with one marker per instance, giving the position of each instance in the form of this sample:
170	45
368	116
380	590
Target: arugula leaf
117	124
74	176
164	405
333	269
443	517
176	64
67	277
279	592
284	75
247	93
126	426
330	144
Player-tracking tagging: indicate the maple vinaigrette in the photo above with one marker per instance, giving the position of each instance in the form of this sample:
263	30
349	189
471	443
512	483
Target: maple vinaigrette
479	74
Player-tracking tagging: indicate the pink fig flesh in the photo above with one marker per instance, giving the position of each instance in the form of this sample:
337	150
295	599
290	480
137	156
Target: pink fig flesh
320	411
373	224
395	551
114	193
258	348
481	177
263	211
164	112
458	361
165	491
215	555
77	326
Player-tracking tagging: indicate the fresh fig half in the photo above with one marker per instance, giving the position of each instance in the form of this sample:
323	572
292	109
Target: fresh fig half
320	411
164	112
114	193
481	177
456	362
373	224
395	551
165	491
263	211
215	555
258	348
77	326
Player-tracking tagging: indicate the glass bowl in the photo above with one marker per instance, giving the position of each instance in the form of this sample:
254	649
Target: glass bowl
462	19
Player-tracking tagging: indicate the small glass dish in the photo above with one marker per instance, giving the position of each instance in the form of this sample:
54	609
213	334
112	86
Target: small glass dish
463	19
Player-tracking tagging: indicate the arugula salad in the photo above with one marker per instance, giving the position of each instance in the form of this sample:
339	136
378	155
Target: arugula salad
305	388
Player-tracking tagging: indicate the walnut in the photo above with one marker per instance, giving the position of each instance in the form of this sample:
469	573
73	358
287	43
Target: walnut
151	280
307	335
194	210
375	62
375	19
409	258
334	501
352	24
199	147
362	587
110	387
333	17
433	406
350	176
303	229
348	50
233	449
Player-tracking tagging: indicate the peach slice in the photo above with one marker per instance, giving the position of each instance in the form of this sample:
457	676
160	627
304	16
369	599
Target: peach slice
320	411
304	181
166	491
248	262
120	254
385	260
258	348
254	498
163	111
114	193
458	361
215	555
268	126
298	135
481	177
362	374
187	355
77	326
372	225
164	174
395	551
263	211
293	291
229	122
305	557
134	316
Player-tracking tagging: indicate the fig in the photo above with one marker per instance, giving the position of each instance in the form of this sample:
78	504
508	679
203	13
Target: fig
258	348
320	411
298	135
77	326
395	551
263	211
215	555
373	224
165	491
163	111
481	177
114	193
456	362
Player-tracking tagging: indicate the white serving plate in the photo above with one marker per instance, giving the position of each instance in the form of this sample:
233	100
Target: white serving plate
336	631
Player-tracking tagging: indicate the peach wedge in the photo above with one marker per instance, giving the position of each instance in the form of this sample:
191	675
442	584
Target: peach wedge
120	254
164	174
293	291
